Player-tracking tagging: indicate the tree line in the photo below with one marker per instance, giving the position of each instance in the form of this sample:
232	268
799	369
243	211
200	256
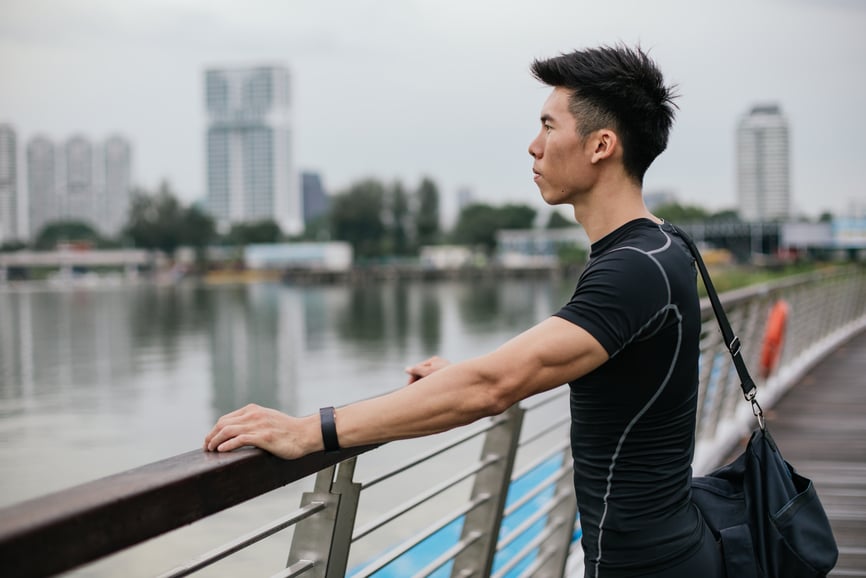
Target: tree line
379	220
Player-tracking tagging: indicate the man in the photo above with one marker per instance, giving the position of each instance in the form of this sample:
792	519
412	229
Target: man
627	341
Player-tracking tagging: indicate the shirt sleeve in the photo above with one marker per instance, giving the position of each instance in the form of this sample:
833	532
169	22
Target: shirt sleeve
619	297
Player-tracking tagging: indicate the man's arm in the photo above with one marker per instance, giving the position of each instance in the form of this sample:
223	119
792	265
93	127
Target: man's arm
549	354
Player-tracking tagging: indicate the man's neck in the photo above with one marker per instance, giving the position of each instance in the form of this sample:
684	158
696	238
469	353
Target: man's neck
609	206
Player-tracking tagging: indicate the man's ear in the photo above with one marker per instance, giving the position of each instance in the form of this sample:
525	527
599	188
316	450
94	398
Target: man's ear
606	142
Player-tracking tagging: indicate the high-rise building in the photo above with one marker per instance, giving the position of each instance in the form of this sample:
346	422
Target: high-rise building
9	226
42	181
117	182
763	170
316	201
249	156
79	182
78	197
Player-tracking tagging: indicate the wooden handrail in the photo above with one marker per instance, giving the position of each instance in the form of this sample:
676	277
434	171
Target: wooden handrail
92	520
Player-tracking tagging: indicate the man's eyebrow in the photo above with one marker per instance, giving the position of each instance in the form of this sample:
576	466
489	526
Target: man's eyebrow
546	118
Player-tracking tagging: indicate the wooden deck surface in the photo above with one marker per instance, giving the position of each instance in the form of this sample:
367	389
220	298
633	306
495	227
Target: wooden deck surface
820	426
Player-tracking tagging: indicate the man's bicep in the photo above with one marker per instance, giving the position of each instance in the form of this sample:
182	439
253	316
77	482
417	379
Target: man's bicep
554	352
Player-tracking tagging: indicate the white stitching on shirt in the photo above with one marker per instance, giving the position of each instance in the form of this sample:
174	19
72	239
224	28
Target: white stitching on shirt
668	307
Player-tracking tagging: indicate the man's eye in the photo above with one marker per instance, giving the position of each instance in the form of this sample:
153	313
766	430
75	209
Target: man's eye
548	128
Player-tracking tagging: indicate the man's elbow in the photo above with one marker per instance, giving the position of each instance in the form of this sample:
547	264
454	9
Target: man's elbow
501	395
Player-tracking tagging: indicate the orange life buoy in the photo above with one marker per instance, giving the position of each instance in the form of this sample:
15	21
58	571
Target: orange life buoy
774	335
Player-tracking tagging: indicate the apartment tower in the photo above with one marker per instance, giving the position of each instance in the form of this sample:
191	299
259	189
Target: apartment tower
763	166
9	226
249	156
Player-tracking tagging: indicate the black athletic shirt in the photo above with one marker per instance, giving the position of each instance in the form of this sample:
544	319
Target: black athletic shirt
633	418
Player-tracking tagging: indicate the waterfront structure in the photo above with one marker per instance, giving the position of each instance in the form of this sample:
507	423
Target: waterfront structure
763	166
330	256
79	181
249	156
316	201
9	225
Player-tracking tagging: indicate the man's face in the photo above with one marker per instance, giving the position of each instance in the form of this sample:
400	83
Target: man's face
562	168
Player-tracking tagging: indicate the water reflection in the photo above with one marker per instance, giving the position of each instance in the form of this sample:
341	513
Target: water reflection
138	373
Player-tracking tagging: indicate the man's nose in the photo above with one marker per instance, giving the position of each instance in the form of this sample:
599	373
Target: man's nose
535	147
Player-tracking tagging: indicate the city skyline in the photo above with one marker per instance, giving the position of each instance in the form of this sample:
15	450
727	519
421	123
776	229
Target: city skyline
75	179
400	90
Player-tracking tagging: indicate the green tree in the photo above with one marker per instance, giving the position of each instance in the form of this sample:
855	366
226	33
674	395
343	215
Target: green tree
356	217
398	220
198	231
478	223
156	221
66	231
264	231
677	213
427	214
318	229
557	221
12	246
725	215
516	216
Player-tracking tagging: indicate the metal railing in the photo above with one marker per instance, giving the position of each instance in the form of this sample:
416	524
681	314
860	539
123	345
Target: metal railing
515	514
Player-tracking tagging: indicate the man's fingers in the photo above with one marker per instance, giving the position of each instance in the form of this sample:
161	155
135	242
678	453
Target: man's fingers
235	443
226	426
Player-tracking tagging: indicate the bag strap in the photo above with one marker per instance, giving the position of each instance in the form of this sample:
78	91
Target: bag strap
732	342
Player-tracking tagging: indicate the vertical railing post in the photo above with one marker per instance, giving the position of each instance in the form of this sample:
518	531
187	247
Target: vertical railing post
554	552
482	524
325	538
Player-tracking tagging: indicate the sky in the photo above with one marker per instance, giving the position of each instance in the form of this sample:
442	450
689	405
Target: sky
402	89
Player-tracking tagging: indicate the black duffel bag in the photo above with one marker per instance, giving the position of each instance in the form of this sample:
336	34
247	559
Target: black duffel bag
767	517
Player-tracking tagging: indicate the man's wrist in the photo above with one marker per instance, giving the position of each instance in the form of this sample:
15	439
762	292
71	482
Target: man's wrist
328	422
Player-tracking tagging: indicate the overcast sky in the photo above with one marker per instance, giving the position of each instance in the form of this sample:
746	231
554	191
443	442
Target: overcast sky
406	88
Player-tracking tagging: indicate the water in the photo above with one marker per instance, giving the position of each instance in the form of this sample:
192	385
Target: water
94	381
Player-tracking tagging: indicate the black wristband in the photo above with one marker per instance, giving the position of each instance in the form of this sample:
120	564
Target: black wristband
329	429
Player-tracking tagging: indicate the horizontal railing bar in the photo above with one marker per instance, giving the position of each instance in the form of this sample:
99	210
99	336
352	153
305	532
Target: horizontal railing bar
410	543
97	518
546	483
546	430
473	433
295	569
448	555
536	403
526	550
734	297
560	447
530	520
230	548
423	497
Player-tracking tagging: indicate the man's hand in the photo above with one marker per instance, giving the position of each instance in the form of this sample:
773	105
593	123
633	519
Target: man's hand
275	432
425	368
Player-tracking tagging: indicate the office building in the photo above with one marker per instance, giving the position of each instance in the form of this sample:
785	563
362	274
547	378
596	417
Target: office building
249	156
763	166
316	201
9	225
